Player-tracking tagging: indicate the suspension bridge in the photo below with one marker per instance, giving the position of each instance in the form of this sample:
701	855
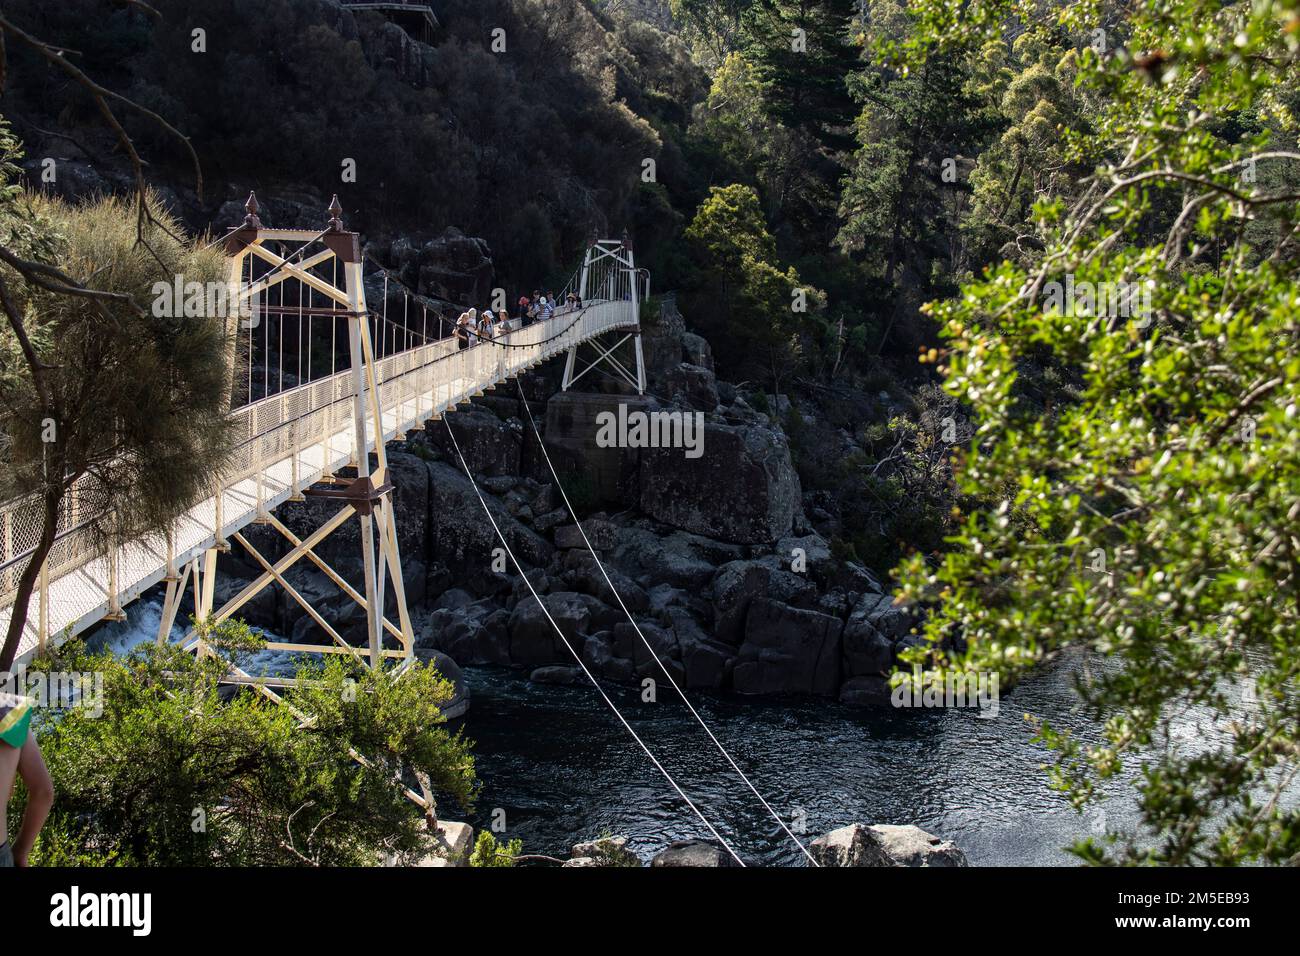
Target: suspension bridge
313	412
355	379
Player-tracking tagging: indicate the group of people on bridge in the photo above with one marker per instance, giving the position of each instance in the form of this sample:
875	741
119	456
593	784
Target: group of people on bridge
473	327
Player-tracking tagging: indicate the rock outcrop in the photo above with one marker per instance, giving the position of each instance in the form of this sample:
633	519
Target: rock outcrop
738	583
607	851
491	445
693	853
788	651
693	386
453	842
463	539
604	475
451	267
742	489
884	845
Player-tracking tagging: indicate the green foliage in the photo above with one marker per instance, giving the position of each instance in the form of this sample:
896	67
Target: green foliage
786	87
1034	79
489	852
552	130
136	398
172	773
753	325
732	117
905	191
802	54
1148	512
897	497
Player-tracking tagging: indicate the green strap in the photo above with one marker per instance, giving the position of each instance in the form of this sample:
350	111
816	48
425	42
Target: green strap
14	723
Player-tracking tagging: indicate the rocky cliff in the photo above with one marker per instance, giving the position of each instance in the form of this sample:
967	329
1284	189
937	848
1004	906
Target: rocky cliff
713	556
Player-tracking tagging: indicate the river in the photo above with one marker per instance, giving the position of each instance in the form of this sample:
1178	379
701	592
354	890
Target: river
559	764
562	768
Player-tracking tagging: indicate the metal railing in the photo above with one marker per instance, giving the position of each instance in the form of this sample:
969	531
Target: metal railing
285	442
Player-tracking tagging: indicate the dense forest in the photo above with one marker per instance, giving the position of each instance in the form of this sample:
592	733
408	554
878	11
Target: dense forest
807	175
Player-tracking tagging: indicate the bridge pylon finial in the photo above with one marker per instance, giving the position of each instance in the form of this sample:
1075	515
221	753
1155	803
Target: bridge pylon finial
251	209
626	239
336	215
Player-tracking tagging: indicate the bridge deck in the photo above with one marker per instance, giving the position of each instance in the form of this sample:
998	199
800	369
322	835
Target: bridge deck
289	440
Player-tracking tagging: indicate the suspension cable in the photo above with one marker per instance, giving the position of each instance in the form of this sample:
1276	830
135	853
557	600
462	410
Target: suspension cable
682	694
612	706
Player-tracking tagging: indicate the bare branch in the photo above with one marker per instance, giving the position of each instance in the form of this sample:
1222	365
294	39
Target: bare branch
102	95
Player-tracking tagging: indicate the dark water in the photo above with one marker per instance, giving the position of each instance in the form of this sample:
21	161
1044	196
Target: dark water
563	769
559	764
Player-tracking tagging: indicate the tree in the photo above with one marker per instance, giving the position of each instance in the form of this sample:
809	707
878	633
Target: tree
98	392
802	53
732	117
905	189
489	852
751	313
165	772
1150	517
1031	159
712	26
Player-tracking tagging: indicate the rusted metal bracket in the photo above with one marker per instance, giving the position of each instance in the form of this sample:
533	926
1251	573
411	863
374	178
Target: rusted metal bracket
362	494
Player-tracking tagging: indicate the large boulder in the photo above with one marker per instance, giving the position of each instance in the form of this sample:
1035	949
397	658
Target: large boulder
581	573
693	853
462	537
629	643
678	559
788	651
474	633
810	553
742	488
458	706
661	345
697	350
456	267
453	844
410	478
885	845
737	583
603	475
600	534
533	641
706	661
866	649
599	654
491	445
879	612
692	386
